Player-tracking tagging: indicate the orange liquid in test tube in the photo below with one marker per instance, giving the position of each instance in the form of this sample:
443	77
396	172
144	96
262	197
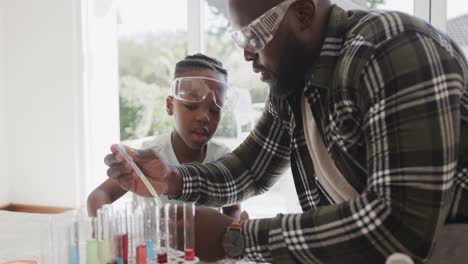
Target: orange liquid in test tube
141	254
189	234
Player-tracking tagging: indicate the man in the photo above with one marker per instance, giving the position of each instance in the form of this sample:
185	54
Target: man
368	108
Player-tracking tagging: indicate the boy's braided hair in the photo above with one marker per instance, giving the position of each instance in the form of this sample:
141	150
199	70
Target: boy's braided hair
199	61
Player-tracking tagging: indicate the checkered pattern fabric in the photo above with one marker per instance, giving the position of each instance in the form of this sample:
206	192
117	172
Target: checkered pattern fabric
390	98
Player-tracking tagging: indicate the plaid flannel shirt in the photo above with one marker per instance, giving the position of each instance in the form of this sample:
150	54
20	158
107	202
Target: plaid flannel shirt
390	98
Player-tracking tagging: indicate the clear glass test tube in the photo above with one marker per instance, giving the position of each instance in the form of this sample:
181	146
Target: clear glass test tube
73	242
157	230
128	241
85	232
150	227
103	242
108	233
189	231
92	252
47	241
138	225
61	225
163	230
173	250
119	233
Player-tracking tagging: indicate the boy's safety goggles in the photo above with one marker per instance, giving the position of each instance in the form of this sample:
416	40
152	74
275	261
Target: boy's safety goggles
196	89
256	35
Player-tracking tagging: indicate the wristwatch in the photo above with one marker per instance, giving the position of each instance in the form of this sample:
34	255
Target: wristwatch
233	240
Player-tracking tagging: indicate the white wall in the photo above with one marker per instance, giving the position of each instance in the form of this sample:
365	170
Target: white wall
43	92
101	82
60	96
4	179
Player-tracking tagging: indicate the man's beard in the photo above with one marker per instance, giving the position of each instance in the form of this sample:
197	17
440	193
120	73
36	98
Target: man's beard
291	76
290	83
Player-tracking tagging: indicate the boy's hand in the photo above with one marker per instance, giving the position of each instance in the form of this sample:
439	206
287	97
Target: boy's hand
156	171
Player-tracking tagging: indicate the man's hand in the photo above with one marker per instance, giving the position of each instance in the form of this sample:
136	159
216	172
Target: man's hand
163	178
210	226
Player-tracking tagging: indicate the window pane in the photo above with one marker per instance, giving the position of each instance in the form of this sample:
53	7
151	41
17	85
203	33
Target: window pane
250	92
245	107
152	38
406	6
457	23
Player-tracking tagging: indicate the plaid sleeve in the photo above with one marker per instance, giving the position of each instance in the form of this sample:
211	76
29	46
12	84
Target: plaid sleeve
411	128
249	170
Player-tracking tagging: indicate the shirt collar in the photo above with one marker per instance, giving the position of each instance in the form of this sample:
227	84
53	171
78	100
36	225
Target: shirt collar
320	74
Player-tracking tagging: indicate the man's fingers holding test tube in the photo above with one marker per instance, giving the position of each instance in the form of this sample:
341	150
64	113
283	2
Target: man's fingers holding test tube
154	170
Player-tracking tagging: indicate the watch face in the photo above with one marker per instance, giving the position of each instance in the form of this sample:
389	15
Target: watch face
233	243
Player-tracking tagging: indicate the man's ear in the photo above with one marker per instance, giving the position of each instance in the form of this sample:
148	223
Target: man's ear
305	12
170	105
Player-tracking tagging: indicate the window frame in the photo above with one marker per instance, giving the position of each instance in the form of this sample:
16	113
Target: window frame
195	26
438	11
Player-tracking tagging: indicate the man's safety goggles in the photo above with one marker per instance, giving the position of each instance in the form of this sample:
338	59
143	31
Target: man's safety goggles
256	35
196	89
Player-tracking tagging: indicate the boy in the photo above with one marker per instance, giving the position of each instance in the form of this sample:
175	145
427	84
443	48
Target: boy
196	101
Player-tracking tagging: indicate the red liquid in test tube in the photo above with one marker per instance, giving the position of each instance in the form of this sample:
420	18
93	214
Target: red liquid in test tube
125	248
189	254
162	258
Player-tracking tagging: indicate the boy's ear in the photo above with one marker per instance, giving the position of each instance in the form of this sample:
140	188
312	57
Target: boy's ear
170	105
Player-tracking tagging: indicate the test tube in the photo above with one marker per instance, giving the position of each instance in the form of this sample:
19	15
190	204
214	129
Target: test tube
109	233
73	242
150	233
46	241
172	238
61	246
119	224
84	232
157	229
103	236
92	253
189	231
127	238
163	238
139	236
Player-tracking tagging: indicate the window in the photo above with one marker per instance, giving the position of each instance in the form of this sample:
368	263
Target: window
248	92
397	5
406	6
457	23
152	37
